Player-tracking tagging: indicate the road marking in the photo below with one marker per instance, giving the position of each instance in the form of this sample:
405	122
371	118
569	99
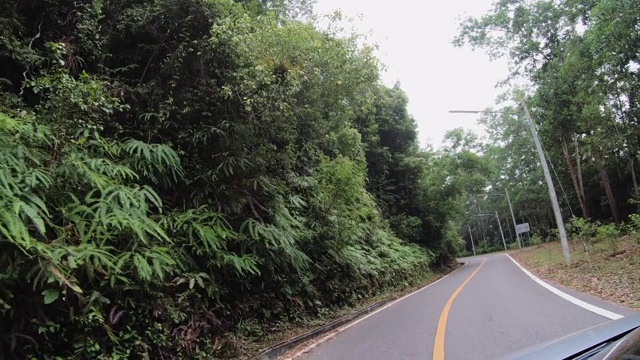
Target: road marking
585	305
345	327
438	346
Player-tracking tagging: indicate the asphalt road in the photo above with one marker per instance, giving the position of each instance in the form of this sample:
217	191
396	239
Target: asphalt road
490	308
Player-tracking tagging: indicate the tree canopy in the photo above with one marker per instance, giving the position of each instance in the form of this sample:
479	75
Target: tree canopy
580	63
178	177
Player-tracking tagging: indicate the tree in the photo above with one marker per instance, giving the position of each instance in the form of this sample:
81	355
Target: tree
177	174
580	92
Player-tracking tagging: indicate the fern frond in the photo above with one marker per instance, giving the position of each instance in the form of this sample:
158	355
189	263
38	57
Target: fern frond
154	161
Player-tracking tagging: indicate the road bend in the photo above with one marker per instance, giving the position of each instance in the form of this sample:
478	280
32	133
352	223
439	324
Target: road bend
483	310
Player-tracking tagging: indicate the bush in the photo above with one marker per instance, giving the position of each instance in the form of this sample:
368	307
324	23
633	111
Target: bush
536	240
611	233
465	253
485	247
581	229
634	226
180	176
553	235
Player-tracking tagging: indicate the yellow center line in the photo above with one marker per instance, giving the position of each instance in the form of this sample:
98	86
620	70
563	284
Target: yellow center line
438	346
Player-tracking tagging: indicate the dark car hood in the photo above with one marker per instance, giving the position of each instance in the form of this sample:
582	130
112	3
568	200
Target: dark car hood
570	346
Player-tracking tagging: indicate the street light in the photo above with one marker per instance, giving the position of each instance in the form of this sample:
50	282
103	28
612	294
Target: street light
473	246
501	232
500	226
552	190
515	224
513	217
545	168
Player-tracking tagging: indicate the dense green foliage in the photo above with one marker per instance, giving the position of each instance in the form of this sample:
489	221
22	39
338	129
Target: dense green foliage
180	176
581	61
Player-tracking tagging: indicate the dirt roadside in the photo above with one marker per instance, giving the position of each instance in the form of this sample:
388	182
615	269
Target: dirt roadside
614	276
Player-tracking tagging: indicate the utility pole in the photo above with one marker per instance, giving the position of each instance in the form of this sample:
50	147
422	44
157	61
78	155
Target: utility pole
552	189
472	244
515	224
501	233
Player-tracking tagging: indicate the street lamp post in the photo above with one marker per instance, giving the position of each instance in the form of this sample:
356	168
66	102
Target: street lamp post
515	224
473	246
501	233
500	226
547	175
552	189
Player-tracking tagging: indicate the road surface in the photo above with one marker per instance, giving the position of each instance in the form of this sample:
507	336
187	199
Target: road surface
486	309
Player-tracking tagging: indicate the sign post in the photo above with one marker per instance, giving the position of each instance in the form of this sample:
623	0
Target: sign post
522	228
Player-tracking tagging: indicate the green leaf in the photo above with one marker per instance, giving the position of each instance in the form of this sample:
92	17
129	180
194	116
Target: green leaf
33	215
50	295
200	281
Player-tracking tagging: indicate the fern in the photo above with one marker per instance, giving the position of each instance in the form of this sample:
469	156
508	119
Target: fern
280	240
207	231
208	234
154	161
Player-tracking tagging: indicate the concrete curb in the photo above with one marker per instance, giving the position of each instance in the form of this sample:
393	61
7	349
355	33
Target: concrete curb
282	348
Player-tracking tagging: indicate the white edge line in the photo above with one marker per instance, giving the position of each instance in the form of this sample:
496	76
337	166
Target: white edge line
345	327
585	305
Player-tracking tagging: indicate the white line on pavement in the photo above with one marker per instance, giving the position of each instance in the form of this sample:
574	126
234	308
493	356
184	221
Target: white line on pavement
598	310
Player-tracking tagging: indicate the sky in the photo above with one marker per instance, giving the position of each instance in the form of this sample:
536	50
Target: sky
414	39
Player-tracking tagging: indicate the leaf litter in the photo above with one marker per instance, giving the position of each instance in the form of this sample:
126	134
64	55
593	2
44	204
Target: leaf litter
610	275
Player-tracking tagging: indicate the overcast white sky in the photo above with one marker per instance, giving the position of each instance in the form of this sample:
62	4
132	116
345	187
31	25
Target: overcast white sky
415	45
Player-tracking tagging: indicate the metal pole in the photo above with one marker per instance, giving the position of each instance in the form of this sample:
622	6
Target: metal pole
472	244
515	225
501	233
506	219
552	190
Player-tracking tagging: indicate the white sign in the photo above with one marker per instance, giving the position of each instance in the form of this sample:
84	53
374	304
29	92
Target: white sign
522	228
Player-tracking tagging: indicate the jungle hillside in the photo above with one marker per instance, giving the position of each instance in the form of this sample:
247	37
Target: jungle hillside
180	177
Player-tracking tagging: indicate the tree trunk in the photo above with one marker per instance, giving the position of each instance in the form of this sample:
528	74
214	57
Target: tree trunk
633	177
482	230
574	178
606	183
630	147
579	166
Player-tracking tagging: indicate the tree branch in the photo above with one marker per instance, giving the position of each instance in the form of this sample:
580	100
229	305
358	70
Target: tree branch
24	74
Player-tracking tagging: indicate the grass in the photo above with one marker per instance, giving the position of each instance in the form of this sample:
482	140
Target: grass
607	270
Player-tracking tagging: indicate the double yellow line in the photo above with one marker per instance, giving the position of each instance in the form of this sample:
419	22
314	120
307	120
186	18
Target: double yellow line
438	346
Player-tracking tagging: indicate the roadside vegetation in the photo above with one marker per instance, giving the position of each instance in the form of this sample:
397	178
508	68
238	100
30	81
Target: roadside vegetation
598	271
180	178
579	62
577	66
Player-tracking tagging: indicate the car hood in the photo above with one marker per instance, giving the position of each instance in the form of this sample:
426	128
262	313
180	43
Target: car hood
580	342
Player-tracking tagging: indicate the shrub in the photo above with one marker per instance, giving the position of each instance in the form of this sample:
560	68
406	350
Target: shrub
611	233
536	240
581	229
180	176
485	247
634	226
